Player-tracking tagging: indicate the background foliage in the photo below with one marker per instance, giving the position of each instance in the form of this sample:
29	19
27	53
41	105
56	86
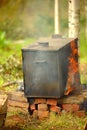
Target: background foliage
33	18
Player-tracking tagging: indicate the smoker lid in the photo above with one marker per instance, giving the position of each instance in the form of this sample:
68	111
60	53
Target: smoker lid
50	44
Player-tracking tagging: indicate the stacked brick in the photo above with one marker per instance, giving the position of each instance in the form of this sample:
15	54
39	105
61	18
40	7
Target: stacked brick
76	104
41	108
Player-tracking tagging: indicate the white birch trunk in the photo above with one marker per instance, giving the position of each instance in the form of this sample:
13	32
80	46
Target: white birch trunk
57	18
74	14
86	17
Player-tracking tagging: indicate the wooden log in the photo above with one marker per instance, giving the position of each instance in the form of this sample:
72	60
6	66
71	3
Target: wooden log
3	109
17	101
17	96
17	104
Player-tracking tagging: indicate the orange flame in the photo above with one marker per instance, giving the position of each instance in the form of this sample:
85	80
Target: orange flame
72	69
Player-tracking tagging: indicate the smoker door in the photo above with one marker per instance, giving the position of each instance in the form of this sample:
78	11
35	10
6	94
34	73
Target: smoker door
41	77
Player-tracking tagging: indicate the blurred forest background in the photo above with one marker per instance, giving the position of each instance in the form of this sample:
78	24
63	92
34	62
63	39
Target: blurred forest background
34	18
28	20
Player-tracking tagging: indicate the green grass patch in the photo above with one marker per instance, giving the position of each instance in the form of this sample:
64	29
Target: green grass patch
65	121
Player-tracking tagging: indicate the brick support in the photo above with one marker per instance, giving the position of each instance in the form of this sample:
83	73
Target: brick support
40	100
55	109
43	107
70	107
52	101
32	107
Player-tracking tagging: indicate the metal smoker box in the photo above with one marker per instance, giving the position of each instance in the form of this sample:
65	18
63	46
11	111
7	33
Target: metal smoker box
45	67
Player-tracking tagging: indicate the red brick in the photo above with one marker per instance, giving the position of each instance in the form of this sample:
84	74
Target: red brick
52	101
55	109
32	107
81	113
43	114
76	107
42	107
67	107
70	107
40	100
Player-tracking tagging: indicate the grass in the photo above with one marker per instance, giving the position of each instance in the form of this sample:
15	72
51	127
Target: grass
65	121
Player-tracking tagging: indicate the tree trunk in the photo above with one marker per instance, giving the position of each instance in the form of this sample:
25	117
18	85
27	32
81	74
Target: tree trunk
74	15
57	18
86	17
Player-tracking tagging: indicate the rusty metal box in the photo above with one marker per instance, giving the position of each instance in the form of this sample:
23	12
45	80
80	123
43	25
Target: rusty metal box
45	67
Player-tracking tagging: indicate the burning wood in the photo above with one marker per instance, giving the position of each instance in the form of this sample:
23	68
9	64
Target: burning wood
72	69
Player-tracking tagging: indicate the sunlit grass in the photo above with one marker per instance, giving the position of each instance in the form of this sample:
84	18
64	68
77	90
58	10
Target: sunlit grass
65	121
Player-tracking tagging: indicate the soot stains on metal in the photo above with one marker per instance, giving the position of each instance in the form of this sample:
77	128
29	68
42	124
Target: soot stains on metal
45	67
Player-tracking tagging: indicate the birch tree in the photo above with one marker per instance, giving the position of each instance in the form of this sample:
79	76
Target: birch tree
74	15
86	17
57	18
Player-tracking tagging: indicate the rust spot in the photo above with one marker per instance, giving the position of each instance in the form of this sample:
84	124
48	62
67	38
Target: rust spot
72	69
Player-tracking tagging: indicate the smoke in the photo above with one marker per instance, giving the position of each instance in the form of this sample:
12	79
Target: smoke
30	18
38	18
